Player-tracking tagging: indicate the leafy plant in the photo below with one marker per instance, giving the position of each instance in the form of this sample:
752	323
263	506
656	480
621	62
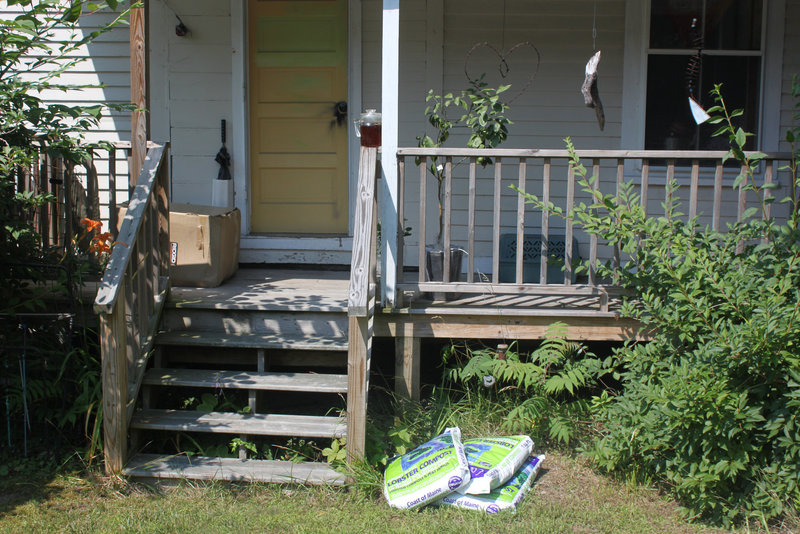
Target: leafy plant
707	406
238	443
543	389
55	394
336	453
484	113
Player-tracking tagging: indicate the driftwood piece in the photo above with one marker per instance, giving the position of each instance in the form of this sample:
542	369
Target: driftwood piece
591	96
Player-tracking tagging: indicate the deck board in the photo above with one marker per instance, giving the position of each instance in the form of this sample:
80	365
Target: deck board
268	381
153	466
252	341
308	426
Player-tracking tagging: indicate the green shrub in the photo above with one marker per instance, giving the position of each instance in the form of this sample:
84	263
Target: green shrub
708	406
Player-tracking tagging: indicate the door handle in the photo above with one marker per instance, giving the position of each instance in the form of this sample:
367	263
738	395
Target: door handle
340	112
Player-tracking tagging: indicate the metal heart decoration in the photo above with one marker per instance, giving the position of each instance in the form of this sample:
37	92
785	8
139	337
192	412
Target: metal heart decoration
503	56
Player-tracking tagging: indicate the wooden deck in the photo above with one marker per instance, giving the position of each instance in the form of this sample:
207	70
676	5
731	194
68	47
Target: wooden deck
471	316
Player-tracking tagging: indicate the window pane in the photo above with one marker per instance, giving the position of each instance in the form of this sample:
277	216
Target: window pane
671	23
669	124
721	25
733	25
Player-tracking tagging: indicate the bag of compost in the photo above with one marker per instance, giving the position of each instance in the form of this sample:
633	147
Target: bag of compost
506	497
492	461
433	469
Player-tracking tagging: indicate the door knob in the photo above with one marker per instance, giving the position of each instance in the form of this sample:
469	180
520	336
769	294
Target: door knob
340	112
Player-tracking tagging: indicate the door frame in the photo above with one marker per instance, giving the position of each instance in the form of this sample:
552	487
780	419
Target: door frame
240	166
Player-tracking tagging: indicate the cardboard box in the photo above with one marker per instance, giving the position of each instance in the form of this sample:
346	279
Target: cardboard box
205	244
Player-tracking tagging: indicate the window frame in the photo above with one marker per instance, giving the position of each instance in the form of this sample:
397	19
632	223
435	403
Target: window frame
637	50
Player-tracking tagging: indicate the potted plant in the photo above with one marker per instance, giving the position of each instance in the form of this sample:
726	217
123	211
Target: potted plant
484	114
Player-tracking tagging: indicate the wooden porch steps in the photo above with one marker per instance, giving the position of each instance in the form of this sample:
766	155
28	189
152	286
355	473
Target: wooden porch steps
271	348
182	467
264	381
306	426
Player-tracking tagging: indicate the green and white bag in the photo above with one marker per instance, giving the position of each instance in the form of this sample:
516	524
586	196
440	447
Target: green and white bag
506	497
493	461
436	468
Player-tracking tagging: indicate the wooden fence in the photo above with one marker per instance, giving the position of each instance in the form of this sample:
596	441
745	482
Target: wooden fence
91	190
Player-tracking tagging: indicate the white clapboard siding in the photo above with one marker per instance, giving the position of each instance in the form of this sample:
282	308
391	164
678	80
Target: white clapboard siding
198	94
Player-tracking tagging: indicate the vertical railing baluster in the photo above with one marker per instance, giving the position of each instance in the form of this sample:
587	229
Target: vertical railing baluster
545	245
767	196
448	196
112	191
41	183
595	182
496	223
471	221
717	211
645	184
568	231
741	207
423	198
521	221
767	190
668	187
618	246
693	186
401	216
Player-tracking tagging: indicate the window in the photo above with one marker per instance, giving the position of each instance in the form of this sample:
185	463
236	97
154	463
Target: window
694	44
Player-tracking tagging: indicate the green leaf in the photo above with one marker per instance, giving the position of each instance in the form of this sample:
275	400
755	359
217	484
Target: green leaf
740	138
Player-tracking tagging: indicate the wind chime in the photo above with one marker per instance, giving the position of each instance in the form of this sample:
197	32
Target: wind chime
693	75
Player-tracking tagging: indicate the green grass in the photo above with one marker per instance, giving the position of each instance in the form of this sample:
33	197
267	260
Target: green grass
567	497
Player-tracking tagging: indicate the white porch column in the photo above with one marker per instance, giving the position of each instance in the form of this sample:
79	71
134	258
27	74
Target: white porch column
389	198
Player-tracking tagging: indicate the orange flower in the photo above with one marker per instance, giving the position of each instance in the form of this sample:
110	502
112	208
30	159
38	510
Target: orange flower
91	225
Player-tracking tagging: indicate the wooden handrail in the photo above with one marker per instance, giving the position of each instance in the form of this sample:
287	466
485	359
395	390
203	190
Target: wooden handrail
583	154
130	300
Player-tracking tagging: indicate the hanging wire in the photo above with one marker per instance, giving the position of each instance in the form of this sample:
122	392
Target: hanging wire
503	29
594	28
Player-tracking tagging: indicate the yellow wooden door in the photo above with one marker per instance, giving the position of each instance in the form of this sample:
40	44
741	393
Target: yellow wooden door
298	150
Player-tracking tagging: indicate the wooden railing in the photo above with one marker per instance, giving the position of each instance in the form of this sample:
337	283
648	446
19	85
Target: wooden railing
89	189
361	302
130	300
543	171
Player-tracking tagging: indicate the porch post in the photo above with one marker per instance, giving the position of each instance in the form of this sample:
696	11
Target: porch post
138	48
389	197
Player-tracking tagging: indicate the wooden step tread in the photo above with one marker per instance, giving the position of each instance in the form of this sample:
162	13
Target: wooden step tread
272	381
231	470
251	341
306	426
